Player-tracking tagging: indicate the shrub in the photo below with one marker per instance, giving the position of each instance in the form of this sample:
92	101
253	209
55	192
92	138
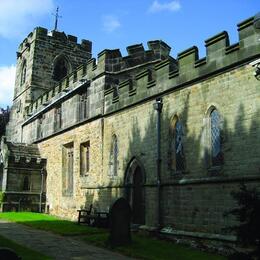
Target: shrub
248	215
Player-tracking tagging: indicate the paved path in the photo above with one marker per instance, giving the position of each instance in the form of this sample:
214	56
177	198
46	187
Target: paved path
58	247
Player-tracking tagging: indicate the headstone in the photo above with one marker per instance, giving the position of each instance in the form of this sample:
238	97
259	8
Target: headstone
7	253
120	218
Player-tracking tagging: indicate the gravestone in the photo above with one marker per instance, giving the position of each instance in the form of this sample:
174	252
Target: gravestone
7	253
120	217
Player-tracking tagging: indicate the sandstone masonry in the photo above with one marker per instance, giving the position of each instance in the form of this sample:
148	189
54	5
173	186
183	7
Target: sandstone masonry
97	126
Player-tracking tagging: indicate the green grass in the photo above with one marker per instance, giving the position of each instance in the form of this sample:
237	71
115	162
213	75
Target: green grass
153	249
25	253
141	247
49	223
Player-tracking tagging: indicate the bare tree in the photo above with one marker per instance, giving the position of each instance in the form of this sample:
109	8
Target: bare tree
4	118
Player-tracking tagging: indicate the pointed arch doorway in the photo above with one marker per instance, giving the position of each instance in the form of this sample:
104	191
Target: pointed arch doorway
134	182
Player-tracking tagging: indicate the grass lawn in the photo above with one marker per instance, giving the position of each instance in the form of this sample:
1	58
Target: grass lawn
141	247
150	248
49	223
25	253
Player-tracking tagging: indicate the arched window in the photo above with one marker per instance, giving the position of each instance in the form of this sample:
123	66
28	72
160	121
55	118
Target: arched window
26	183
176	154
61	68
114	156
23	73
215	138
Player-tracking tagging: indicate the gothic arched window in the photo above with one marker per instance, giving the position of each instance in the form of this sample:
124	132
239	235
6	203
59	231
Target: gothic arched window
176	154
23	73
61	68
114	157
215	138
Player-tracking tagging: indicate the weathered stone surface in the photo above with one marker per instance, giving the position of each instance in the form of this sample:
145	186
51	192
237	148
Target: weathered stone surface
119	93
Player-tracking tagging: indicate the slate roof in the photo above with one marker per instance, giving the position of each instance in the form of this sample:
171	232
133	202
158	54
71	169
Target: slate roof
23	150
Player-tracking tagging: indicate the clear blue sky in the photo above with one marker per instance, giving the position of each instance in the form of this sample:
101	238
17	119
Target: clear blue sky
117	24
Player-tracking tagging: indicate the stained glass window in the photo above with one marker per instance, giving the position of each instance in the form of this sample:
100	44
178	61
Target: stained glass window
215	138
179	154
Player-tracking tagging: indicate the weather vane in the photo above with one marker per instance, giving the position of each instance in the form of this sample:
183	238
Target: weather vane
57	16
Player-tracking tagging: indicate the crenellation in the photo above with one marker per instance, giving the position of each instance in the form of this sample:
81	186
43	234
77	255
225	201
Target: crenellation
247	24
159	48
80	72
107	113
72	38
216	46
135	50
232	47
40	31
200	62
188	66
187	59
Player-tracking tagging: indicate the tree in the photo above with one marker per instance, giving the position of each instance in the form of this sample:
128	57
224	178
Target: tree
248	215
4	118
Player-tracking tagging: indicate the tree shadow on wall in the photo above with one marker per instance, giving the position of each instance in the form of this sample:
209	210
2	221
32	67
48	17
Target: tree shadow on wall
194	199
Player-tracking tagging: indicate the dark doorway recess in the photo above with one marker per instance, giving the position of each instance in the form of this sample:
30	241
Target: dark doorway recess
135	179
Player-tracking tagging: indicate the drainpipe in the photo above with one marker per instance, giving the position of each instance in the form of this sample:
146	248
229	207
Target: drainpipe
40	201
158	105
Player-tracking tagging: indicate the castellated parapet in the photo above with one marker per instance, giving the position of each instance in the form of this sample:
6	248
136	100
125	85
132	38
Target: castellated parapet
37	57
171	74
115	82
44	49
98	130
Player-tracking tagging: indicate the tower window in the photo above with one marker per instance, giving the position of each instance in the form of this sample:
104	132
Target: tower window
23	74
61	69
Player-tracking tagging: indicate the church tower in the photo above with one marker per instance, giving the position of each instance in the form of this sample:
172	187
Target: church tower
43	59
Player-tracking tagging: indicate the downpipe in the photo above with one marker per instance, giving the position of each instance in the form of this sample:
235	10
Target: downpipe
158	105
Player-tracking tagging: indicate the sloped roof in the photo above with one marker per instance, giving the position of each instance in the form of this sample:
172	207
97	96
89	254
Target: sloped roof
23	150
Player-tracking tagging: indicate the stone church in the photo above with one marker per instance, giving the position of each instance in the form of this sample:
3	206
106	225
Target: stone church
172	135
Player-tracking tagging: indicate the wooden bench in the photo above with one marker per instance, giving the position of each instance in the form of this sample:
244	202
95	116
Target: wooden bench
98	219
84	214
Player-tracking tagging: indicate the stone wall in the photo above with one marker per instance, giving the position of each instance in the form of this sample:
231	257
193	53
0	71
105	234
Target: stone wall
51	149
196	198
121	96
38	53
